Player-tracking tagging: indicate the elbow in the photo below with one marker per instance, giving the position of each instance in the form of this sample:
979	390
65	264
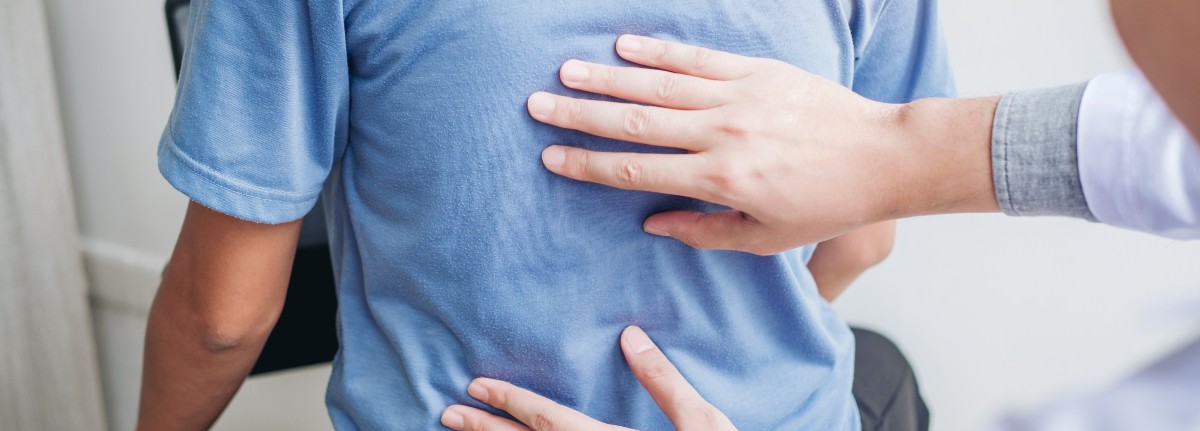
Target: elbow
226	331
871	246
216	339
878	250
220	334
201	325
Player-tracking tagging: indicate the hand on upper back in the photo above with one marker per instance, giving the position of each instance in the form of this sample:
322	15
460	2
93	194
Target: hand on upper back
686	409
796	156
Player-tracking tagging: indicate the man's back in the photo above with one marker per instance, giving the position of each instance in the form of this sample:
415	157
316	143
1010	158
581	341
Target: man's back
458	256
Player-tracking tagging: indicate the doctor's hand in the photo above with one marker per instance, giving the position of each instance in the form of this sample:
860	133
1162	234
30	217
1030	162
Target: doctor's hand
798	158
678	399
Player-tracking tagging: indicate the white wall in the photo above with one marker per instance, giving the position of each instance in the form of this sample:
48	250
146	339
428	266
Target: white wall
116	84
994	312
49	377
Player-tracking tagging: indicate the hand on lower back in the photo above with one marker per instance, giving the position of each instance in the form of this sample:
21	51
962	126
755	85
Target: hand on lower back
686	409
798	158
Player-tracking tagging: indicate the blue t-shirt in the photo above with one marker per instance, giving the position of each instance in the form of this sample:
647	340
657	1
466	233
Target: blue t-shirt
458	255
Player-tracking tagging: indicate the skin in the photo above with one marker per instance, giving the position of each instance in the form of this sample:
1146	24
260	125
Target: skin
222	293
836	263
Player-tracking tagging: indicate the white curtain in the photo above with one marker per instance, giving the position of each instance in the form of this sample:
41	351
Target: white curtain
49	378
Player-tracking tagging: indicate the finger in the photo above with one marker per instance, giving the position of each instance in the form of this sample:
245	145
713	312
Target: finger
464	418
672	174
722	230
622	121
656	87
534	410
673	394
685	59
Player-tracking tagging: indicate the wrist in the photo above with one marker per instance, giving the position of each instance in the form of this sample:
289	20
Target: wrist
943	162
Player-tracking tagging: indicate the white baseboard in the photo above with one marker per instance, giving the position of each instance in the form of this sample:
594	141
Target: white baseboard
120	277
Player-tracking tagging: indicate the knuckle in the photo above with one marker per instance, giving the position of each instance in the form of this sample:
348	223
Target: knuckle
692	240
659	368
754	242
609	77
660	51
498	401
667	88
499	398
701	58
573	110
577	163
738	127
689	233
473	422
544	419
636	122
733	181
629	173
725	175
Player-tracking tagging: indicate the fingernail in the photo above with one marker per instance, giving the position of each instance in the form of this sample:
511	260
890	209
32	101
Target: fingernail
452	420
574	73
655	229
477	391
541	105
628	45
554	157
636	340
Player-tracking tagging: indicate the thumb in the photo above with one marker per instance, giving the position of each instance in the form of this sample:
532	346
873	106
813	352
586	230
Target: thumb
673	394
722	230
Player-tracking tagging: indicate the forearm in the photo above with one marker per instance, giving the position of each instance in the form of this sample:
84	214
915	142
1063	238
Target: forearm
220	297
836	263
190	373
831	277
1015	154
943	158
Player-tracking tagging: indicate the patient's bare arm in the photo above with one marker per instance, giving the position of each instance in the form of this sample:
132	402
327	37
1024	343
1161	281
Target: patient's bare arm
839	261
221	295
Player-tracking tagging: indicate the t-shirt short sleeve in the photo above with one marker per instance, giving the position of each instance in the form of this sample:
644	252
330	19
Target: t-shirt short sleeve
261	109
900	53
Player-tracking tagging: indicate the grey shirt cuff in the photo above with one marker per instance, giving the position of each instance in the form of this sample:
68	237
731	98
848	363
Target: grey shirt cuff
1034	162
